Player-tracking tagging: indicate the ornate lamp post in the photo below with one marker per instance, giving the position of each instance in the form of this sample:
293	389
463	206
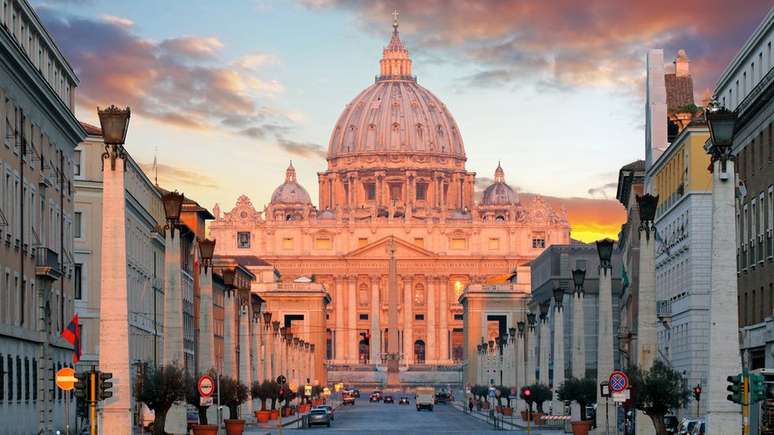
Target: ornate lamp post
558	405
578	333
722	415
205	352
605	332
114	306
173	296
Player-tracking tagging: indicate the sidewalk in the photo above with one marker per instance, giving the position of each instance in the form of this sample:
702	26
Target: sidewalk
508	423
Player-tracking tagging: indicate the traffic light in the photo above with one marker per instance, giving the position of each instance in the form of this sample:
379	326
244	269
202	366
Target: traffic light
281	394
526	393
697	392
757	388
735	388
103	386
82	387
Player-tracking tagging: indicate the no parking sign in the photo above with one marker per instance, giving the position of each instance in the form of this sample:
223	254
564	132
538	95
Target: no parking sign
618	381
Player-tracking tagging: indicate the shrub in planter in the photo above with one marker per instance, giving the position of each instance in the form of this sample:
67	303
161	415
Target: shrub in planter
659	391
262	392
583	391
233	394
159	388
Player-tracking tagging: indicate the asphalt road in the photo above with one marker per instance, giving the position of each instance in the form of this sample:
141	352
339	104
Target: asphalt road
379	418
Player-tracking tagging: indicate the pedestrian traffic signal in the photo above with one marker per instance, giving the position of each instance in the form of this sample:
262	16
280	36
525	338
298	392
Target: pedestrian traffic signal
526	392
82	386
697	392
104	386
757	388
735	388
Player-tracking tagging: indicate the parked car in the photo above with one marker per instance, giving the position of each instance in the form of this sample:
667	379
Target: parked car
319	416
389	399
698	428
686	426
403	400
329	409
671	423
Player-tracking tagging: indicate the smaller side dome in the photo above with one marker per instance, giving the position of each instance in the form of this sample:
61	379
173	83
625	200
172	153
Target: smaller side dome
290	192
499	193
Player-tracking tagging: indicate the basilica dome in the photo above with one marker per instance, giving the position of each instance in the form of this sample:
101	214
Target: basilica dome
499	193
395	115
290	192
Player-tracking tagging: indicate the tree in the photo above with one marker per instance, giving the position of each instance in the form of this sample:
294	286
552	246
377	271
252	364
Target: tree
273	393
261	391
583	391
505	393
657	391
540	393
232	394
159	388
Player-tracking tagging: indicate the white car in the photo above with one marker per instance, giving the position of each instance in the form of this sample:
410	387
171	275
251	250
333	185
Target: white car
328	409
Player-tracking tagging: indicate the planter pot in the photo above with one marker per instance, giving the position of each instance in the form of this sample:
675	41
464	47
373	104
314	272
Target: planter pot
507	411
285	412
262	416
235	427
581	427
274	414
205	429
317	402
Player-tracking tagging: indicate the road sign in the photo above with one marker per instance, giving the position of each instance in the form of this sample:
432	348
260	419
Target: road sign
618	382
65	379
621	396
308	390
492	392
206	386
281	379
604	389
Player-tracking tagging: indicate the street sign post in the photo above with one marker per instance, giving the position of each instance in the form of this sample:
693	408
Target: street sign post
618	381
621	396
65	380
604	389
206	386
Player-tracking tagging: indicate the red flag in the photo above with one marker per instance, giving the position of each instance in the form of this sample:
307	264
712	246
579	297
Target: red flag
72	334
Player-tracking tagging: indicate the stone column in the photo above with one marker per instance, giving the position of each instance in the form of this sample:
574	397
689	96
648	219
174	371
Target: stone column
544	347
558	405
430	354
352	357
205	353
255	349
578	344
340	330
521	368
443	316
531	360
173	301
647	339
244	356
723	415
408	320
375	345
114	304
605	348
229	336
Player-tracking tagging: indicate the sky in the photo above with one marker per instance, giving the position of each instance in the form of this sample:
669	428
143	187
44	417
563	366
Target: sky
224	94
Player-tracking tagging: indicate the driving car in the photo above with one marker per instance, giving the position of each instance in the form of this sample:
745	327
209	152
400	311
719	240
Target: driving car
319	416
348	399
329	409
389	399
375	397
355	392
403	400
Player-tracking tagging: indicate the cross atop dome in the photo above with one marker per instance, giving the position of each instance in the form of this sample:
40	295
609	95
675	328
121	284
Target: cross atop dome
395	15
395	63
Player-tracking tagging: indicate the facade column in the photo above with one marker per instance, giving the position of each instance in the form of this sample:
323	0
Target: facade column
605	341
114	303
375	345
229	336
521	368
443	316
267	350
531	360
173	301
578	344
340	331
352	357
647	338
544	343
205	353
558	405
408	320
430	354
255	348
244	356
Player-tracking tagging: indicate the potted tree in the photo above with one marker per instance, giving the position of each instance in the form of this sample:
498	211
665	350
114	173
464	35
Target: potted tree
273	394
304	404
505	393
658	391
582	391
194	398
262	392
476	391
484	397
540	393
159	388
233	394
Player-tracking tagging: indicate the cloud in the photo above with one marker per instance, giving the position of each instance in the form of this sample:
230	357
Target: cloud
602	190
193	47
562	43
118	21
175	176
301	149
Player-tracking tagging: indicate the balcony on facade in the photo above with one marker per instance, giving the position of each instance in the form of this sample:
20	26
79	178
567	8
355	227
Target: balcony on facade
664	311
47	264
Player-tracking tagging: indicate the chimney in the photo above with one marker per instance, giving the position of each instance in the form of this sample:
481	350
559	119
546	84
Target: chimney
682	64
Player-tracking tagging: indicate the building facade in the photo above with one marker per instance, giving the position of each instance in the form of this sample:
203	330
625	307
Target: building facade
684	224
39	133
396	168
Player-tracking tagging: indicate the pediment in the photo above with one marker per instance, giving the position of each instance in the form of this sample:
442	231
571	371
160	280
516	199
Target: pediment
378	249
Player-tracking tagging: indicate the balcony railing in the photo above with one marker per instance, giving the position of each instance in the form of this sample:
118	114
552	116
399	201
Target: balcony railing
664	309
47	263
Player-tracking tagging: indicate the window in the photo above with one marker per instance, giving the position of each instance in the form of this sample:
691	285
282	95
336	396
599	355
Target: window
370	191
362	295
538	243
395	191
34	379
421	193
287	243
243	240
419	241
419	317
2	378
494	244
77	163
18	378
458	317
323	242
78	281
77	218
459	287
458	243
10	378
362	241
363	316
27	379
419	295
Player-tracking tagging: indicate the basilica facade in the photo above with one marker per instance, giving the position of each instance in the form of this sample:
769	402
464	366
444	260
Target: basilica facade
396	172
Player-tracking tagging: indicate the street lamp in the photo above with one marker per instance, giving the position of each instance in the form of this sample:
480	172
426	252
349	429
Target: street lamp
173	204
521	325
531	320
544	306
206	249
275	325
512	333
605	251
114	123
558	296
578	277
478	347
267	318
722	126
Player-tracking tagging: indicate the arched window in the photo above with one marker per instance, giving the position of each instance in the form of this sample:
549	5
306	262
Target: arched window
419	352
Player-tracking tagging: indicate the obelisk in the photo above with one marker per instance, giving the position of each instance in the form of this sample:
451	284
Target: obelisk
393	357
